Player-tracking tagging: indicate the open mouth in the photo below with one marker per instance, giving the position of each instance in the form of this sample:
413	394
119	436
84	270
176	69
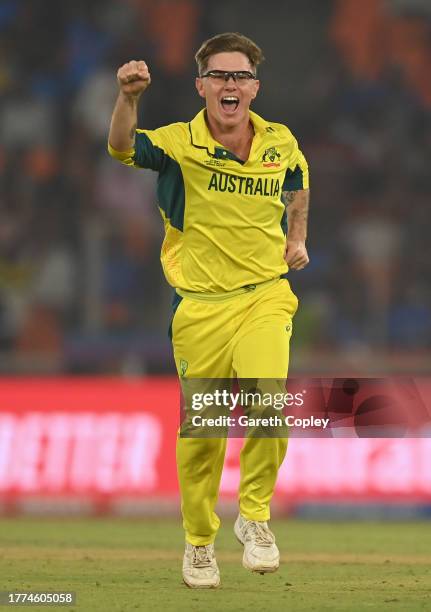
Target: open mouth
229	103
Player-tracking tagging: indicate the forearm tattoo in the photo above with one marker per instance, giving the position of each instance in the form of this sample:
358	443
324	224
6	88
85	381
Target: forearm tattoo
296	203
288	196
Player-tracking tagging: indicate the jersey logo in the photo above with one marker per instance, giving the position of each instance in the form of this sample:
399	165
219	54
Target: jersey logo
270	158
183	366
215	162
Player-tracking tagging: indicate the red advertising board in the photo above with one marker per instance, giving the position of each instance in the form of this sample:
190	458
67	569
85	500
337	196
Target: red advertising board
115	438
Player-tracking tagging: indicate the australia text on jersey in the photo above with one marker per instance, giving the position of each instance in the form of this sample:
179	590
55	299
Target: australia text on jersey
244	184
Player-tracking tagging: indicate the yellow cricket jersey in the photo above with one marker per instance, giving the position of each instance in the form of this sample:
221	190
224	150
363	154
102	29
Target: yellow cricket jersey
224	220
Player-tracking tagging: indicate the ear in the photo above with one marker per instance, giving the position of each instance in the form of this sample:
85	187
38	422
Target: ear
200	87
256	89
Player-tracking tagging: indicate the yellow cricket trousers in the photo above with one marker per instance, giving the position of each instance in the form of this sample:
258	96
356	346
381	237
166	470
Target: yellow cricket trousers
243	334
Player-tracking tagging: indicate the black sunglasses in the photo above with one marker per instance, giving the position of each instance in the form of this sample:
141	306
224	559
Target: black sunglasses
224	75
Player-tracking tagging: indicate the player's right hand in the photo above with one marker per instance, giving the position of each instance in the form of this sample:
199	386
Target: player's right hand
133	78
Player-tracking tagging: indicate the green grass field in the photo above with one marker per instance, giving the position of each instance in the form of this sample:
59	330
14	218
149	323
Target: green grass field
127	565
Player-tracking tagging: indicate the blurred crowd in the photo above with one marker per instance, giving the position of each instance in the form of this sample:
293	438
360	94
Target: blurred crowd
81	287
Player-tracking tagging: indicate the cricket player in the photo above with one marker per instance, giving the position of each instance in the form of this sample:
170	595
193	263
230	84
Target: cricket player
233	195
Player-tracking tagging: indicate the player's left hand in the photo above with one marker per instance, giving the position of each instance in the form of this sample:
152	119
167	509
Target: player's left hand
296	255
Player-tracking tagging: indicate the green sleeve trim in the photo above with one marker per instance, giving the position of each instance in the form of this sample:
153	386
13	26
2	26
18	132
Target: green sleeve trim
147	154
294	179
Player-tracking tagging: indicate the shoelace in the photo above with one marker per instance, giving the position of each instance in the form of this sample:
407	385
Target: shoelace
201	556
261	535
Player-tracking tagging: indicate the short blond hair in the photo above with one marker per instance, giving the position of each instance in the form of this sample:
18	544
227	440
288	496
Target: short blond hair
227	43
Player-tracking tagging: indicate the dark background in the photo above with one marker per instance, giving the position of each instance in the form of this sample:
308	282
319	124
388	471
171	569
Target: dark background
81	286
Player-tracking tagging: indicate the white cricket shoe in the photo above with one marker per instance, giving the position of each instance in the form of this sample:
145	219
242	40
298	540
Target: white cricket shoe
260	550
200	570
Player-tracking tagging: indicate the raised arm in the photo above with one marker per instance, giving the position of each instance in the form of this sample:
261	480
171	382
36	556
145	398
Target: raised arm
296	203
133	79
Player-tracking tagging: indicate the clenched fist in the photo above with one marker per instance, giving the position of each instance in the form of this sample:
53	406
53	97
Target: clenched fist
133	78
296	255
